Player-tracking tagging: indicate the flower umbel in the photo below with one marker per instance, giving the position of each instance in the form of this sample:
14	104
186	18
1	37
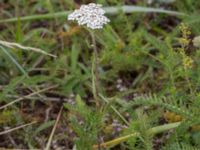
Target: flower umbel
91	15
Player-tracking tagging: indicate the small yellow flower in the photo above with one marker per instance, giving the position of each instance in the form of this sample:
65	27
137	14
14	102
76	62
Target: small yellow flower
187	62
184	40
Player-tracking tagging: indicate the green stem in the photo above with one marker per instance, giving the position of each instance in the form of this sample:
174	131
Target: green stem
95	73
115	110
162	128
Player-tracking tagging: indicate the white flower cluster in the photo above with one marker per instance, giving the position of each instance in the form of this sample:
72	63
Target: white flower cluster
91	15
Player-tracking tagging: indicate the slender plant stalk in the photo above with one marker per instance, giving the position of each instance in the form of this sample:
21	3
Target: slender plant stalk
188	82
115	110
95	73
95	78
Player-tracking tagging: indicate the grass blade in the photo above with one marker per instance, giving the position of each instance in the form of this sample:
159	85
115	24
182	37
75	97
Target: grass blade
109	10
132	9
14	61
153	131
16	45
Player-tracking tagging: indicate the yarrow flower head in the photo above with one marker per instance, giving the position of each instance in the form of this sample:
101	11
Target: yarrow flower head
91	15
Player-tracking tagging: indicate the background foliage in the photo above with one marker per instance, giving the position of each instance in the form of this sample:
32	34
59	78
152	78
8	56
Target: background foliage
149	73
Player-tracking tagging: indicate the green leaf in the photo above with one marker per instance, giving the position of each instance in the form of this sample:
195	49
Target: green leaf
14	61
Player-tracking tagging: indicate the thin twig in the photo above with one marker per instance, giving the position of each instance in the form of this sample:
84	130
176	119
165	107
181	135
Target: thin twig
47	112
44	98
12	140
27	96
54	129
16	128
